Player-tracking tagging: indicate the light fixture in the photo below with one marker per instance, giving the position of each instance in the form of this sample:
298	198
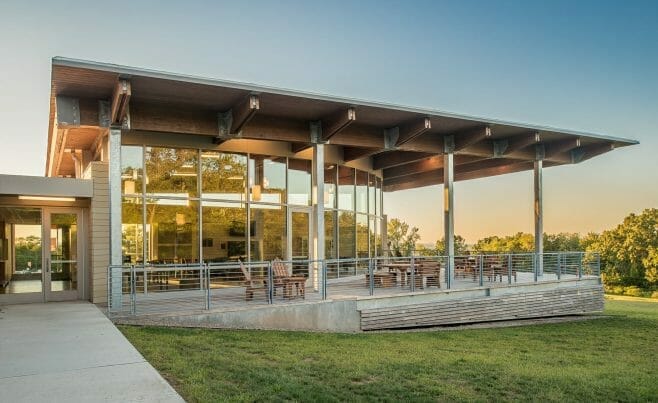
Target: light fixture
180	219
183	174
47	198
210	155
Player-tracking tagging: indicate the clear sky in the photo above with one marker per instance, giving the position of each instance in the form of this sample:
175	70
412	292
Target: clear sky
583	65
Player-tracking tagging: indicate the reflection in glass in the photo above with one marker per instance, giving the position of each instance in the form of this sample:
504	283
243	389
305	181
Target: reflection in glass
299	235
299	182
223	176
345	188
171	171
330	234
330	186
378	237
372	234
267	179
172	230
269	232
132	230
63	251
132	169
362	236
361	192
378	197
224	232
20	250
371	194
346	235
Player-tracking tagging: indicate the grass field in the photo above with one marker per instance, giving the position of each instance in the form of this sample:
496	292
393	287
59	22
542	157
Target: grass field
610	359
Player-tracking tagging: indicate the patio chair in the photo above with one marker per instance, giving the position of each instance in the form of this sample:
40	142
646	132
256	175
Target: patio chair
283	279
252	284
428	274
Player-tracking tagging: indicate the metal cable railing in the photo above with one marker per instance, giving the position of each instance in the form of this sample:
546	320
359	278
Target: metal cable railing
161	288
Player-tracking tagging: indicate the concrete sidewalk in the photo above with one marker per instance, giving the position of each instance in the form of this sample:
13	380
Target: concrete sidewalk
70	352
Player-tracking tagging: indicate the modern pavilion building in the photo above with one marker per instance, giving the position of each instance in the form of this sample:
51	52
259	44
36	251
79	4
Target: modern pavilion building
147	167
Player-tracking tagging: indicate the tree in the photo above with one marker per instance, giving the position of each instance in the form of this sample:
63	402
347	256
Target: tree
401	238
460	246
627	251
651	266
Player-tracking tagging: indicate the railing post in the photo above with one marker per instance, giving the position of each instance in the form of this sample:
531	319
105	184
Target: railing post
598	265
207	267
535	265
580	265
323	266
412	267
133	291
559	265
371	277
481	267
509	268
270	284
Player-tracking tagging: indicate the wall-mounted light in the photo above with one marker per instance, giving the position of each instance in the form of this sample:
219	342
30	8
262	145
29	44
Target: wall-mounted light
47	198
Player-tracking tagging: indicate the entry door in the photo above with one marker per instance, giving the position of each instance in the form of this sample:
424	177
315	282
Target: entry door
64	254
300	239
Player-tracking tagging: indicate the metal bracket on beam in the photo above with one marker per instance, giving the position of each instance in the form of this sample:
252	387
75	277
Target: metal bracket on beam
68	111
577	155
315	128
500	146
224	124
449	144
104	113
540	152
391	136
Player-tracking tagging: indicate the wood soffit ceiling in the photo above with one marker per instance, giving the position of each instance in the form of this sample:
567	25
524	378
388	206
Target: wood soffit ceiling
195	97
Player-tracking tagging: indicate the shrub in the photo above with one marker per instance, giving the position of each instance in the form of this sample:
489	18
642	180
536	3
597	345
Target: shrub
654	294
633	291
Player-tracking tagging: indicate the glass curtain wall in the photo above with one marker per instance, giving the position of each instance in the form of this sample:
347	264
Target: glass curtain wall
187	205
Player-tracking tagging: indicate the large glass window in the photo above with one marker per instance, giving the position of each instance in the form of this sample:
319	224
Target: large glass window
361	192
372	195
171	171
345	188
223	176
267	179
372	234
362	236
330	186
132	230
299	182
269	239
172	228
346	235
132	169
330	234
378	197
223	231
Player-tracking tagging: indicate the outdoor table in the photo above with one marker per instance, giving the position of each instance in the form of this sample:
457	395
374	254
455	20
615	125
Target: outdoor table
401	268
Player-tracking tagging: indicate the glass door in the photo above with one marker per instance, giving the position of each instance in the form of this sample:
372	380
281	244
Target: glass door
63	250
300	240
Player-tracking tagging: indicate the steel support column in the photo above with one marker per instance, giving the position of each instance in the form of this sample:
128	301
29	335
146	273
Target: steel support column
539	212
318	211
114	148
449	208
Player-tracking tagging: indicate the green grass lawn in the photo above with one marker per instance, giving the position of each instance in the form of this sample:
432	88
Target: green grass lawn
610	359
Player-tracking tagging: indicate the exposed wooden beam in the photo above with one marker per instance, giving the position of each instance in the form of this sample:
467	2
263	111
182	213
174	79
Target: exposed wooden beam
334	124
413	129
355	153
61	148
243	112
428	164
120	99
504	147
299	147
554	148
394	158
590	151
470	137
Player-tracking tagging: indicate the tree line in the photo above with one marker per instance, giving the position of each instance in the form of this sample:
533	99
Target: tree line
629	252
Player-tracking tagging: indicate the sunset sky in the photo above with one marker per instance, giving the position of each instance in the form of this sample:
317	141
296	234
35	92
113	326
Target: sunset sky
586	65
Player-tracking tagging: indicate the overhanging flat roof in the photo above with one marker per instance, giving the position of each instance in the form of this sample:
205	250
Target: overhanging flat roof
404	142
